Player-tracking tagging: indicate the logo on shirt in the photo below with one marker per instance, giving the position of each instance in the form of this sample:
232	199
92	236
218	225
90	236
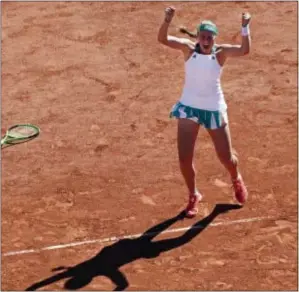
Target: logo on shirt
194	56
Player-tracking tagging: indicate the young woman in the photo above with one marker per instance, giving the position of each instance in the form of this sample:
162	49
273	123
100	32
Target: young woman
202	101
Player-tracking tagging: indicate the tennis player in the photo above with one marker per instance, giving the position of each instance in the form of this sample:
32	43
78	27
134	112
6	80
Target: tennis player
202	101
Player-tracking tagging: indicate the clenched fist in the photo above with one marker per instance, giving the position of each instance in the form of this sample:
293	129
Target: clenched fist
245	19
169	13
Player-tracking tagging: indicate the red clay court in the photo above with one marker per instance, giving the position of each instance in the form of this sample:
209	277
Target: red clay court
94	78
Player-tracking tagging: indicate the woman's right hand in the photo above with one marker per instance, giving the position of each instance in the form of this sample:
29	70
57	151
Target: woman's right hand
169	13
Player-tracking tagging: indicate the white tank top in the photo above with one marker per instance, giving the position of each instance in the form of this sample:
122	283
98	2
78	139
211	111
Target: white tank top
202	88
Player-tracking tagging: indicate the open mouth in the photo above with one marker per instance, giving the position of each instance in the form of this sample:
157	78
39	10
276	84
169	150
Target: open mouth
206	47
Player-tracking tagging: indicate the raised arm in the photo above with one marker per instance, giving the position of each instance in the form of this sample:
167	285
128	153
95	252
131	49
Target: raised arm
173	42
244	48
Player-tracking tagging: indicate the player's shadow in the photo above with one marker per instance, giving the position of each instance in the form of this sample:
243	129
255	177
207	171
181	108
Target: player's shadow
109	260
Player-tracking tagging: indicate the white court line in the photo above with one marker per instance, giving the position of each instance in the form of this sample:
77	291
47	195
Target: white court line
116	238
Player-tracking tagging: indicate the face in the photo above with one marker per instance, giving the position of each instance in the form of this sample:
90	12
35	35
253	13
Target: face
206	41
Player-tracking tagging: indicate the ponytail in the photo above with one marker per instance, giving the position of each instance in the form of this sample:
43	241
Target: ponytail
183	29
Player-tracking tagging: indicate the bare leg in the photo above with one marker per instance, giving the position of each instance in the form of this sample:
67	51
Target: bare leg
223	146
222	142
187	134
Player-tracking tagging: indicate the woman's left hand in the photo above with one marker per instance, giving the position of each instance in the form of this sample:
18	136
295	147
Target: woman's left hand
245	19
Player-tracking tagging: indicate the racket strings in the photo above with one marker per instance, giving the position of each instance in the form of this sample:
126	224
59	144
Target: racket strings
22	131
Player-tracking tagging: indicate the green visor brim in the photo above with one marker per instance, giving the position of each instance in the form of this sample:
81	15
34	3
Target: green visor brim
208	27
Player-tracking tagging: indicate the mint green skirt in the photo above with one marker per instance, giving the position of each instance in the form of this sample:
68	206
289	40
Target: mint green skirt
209	119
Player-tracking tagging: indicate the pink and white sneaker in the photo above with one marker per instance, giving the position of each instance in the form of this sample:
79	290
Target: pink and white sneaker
191	209
240	189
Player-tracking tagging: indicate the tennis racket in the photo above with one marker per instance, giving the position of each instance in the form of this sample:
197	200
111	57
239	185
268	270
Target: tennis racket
19	134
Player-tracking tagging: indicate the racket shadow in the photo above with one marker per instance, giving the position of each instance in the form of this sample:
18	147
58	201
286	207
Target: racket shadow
111	258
